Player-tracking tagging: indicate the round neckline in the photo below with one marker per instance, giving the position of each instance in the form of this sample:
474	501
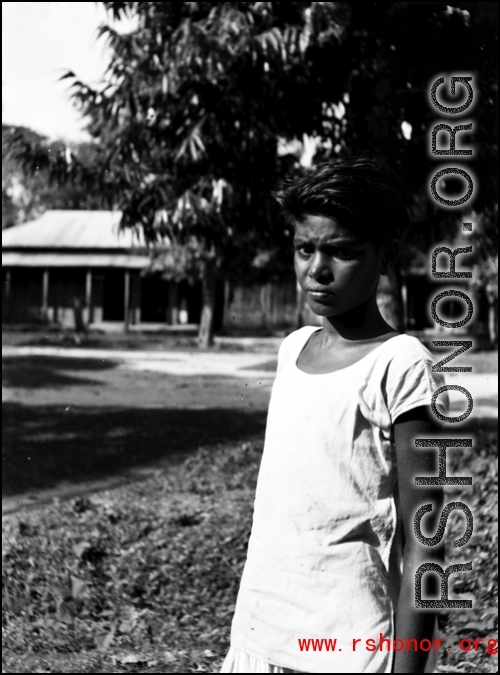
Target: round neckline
340	370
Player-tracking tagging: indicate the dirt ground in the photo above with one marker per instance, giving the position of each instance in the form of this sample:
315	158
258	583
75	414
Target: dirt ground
71	425
70	422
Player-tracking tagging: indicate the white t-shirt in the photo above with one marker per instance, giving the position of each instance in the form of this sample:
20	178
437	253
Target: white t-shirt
324	556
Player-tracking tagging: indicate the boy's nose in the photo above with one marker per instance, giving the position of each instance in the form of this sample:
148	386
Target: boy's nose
319	268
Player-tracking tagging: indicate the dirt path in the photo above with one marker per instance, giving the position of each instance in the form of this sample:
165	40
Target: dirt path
73	424
79	420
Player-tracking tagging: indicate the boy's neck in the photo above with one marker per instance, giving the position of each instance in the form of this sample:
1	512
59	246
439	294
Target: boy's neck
362	323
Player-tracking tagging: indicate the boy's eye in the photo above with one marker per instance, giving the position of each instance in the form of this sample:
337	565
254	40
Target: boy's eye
340	252
345	253
304	249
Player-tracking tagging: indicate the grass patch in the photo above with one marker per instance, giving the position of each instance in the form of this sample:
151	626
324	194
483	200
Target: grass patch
144	578
141	579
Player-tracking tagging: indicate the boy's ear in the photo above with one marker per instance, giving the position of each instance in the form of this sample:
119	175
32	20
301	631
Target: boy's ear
390	255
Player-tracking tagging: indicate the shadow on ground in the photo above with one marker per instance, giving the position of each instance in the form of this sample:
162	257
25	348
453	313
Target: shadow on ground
36	372
45	445
73	421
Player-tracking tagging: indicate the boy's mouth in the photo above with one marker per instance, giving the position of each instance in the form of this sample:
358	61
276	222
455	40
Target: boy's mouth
318	292
320	295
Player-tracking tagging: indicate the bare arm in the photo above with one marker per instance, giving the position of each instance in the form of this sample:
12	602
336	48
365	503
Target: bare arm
411	462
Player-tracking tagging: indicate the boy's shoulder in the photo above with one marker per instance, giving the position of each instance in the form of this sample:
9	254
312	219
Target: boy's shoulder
402	349
299	335
410	346
406	355
301	332
295	340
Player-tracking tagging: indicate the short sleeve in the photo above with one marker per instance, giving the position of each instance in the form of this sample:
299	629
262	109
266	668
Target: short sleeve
410	381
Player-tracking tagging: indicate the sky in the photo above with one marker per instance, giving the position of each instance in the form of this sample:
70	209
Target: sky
40	41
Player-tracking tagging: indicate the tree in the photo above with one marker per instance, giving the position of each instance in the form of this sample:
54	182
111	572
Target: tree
38	174
20	191
194	102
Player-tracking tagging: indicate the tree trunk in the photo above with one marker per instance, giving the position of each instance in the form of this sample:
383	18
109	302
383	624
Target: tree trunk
78	315
265	306
492	321
390	299
206	329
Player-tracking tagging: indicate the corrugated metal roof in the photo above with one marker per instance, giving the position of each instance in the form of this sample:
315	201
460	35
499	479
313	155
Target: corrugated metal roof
72	230
66	259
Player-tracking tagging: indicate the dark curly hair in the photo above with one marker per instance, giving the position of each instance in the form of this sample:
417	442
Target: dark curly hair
364	195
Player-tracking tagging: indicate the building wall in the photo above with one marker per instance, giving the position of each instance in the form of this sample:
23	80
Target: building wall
261	306
24	301
65	286
67	290
151	298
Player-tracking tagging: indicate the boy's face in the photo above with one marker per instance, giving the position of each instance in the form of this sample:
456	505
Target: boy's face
336	273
